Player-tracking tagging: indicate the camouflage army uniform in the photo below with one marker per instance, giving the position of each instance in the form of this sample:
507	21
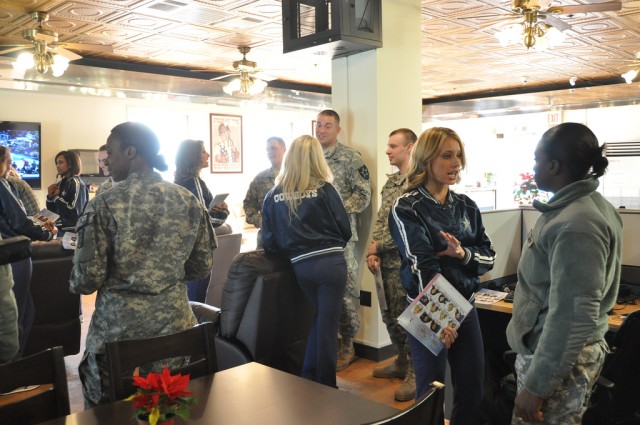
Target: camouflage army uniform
394	293
137	245
106	185
351	178
569	401
252	204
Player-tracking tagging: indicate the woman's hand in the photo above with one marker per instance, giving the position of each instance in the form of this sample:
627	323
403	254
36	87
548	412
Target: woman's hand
219	208
49	225
53	190
454	248
373	262
449	335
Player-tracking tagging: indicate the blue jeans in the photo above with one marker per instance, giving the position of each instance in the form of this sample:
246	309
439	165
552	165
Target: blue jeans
197	289
26	309
322	280
466	361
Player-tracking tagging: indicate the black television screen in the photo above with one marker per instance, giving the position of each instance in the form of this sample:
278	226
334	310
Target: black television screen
23	138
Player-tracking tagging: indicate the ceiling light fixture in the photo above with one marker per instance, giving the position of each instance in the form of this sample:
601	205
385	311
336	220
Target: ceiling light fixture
531	32
630	75
245	85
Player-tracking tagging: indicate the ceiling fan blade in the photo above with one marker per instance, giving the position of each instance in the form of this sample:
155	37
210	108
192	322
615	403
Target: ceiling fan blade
98	48
67	54
559	24
12	49
263	76
222	77
585	8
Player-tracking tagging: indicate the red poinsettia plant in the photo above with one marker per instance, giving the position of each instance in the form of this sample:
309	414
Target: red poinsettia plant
161	396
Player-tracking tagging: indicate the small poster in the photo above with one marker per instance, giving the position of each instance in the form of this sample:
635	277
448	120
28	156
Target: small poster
439	305
226	143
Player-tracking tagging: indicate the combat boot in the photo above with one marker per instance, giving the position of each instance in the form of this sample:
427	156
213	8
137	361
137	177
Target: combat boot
346	354
407	391
392	370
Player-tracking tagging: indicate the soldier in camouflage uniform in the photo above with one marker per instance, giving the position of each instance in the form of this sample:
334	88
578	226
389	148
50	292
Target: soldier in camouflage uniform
383	254
351	178
262	183
137	245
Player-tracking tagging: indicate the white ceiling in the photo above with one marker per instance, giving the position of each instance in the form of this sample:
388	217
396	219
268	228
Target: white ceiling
460	55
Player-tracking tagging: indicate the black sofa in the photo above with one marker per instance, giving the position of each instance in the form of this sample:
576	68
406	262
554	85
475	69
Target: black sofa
263	316
57	311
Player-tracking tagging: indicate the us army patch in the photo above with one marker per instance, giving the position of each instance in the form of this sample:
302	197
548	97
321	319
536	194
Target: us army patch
364	172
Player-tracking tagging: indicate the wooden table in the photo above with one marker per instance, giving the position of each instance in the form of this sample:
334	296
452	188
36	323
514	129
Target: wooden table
253	394
615	320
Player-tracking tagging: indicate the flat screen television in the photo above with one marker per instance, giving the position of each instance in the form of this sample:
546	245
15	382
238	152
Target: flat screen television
23	138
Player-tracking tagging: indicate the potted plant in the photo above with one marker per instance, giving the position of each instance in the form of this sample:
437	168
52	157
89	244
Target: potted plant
527	190
160	397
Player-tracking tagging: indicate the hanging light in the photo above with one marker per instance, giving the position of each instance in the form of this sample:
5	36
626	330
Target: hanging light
531	32
245	85
42	58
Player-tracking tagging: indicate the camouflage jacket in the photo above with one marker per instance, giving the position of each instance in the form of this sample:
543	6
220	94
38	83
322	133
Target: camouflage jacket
351	178
386	247
138	243
106	185
261	184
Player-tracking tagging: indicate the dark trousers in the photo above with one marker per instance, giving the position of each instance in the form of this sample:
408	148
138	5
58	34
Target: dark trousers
197	289
322	280
466	361
22	291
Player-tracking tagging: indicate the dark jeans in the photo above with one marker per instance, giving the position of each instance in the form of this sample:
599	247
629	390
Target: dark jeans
322	280
22	291
466	360
197	289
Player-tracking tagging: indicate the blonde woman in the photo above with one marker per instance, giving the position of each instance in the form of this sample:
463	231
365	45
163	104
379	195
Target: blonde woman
440	231
303	218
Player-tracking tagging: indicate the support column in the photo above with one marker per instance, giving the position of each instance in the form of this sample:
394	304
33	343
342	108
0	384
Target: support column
376	92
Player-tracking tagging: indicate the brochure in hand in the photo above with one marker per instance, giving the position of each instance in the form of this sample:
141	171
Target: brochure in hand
217	200
43	216
439	305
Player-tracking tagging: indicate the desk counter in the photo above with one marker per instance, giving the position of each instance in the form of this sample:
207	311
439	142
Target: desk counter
615	320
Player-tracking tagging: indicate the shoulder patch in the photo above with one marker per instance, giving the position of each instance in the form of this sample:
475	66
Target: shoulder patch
364	172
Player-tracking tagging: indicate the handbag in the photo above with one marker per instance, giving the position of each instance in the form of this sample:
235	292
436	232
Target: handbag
14	249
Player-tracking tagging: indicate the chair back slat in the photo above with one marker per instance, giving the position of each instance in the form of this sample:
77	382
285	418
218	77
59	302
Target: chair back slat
45	368
427	410
197	344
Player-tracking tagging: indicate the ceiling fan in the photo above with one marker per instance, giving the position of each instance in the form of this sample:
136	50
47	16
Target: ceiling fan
249	79
539	16
48	51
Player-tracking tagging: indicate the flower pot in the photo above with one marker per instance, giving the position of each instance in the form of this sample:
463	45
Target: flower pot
145	421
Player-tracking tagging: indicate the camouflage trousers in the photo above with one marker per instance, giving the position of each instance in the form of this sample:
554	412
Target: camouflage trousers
569	401
396	297
94	375
349	321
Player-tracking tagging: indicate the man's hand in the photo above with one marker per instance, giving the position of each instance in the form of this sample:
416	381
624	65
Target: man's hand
373	248
49	225
527	406
373	262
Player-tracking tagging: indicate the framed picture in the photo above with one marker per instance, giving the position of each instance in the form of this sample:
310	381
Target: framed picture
226	143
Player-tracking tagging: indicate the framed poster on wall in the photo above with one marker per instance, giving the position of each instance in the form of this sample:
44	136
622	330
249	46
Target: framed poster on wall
226	143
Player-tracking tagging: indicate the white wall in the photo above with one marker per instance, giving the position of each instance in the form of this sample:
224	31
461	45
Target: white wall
84	122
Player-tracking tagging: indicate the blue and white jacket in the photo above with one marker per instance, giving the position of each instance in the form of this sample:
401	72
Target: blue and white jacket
320	226
415	223
71	201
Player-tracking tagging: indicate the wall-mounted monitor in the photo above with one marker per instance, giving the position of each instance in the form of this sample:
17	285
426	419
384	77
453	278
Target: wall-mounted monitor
23	139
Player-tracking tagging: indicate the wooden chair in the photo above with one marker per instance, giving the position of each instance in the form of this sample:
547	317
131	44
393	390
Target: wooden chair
427	410
123	357
49	400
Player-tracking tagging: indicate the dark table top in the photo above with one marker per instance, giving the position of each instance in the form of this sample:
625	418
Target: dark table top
253	394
